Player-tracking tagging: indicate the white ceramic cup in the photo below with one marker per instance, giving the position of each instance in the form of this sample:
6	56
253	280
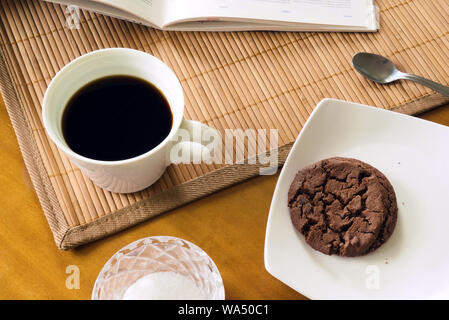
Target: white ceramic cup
133	174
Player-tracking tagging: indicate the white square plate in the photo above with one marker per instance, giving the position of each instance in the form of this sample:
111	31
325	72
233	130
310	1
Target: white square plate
414	155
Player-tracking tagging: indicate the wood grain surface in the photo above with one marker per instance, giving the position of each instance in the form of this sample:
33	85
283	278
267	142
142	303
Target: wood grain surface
229	226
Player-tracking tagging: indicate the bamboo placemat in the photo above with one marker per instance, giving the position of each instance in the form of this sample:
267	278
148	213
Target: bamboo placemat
257	80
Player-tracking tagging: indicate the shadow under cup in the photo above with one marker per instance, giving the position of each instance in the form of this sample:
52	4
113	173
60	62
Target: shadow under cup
122	176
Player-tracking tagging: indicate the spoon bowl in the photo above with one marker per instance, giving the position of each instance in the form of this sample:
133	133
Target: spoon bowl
374	67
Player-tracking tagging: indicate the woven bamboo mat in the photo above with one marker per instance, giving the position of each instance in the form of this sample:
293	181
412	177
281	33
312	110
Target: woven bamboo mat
257	80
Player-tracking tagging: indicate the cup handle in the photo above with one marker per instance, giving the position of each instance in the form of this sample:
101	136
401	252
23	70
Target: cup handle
197	141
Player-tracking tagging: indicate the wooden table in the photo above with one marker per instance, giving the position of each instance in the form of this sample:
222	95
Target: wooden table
229	226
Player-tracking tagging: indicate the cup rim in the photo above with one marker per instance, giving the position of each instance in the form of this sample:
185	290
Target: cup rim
79	60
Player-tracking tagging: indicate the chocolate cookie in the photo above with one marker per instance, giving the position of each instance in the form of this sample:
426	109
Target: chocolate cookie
343	206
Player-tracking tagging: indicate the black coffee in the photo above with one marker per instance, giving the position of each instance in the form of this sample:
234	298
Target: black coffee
116	118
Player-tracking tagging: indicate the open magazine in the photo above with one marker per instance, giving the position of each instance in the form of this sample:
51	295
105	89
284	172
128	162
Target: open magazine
240	15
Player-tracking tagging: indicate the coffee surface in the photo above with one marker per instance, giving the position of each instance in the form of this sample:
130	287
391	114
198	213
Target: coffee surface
116	118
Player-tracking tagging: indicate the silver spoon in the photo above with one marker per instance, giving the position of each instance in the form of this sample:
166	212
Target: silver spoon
381	70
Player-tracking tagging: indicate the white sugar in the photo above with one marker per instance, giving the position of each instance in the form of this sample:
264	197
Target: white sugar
164	286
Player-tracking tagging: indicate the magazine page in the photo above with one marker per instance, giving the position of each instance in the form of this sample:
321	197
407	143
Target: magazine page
354	13
148	12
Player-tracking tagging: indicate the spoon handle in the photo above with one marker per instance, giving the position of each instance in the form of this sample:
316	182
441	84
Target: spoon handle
428	83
